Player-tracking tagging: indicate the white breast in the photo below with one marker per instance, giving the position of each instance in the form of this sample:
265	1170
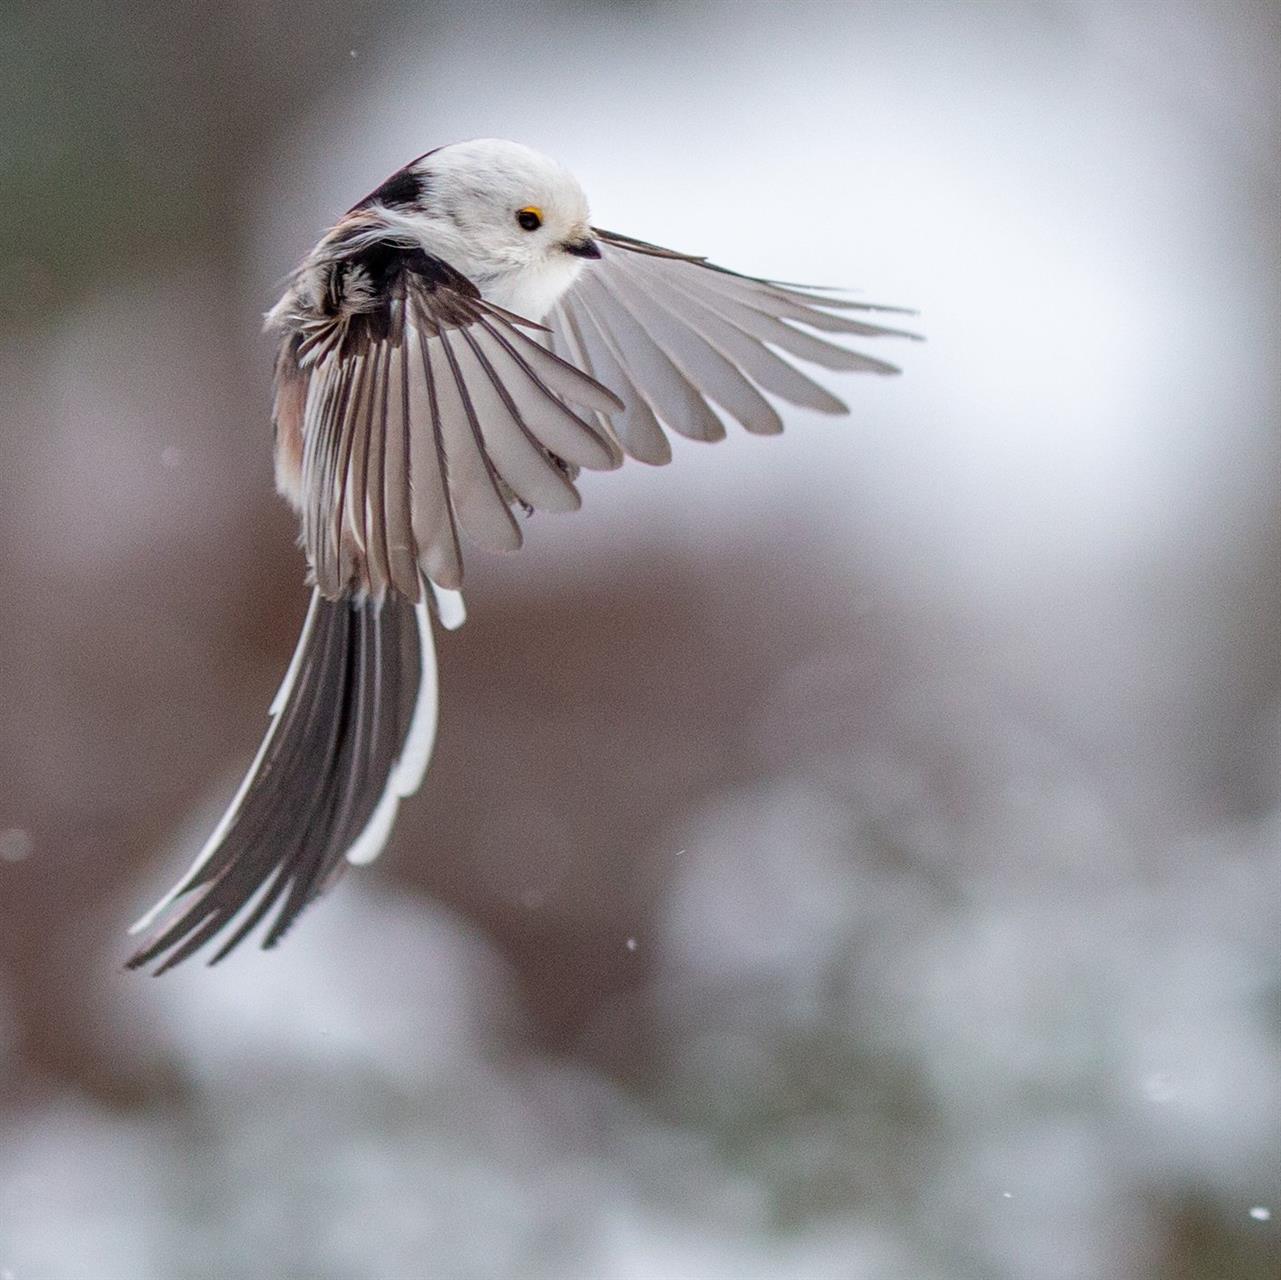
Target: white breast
534	290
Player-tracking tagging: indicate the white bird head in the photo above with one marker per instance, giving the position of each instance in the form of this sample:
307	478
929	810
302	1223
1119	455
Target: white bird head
510	219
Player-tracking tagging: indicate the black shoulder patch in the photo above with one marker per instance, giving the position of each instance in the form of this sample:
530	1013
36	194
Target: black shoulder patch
362	282
436	274
402	190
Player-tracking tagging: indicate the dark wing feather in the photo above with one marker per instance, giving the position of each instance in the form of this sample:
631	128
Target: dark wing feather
427	413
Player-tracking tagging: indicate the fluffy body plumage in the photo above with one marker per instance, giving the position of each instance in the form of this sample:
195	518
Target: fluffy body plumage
459	345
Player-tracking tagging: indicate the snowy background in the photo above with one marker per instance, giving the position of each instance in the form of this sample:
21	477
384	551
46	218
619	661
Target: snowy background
848	857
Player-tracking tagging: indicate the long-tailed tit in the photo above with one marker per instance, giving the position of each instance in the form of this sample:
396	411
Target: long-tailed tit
460	344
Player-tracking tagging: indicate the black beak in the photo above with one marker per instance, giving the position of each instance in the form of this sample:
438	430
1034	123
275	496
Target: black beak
585	248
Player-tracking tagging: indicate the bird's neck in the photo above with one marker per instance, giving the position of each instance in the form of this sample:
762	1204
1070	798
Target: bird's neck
532	290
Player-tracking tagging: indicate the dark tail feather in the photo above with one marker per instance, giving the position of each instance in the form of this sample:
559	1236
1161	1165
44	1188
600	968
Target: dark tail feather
352	730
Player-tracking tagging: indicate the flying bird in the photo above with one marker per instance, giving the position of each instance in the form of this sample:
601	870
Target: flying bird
457	348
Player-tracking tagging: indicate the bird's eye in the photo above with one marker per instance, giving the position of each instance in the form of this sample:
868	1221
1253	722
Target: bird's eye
530	217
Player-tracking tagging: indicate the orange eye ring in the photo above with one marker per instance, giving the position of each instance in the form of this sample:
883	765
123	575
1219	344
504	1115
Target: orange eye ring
530	217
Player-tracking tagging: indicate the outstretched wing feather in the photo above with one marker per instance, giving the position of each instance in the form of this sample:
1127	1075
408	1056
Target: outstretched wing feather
674	333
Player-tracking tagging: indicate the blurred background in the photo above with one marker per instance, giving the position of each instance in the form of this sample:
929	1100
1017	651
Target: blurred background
847	857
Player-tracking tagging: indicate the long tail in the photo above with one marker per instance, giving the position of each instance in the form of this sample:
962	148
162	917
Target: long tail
351	733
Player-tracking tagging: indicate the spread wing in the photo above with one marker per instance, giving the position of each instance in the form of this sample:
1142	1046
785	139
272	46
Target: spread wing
408	410
671	333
